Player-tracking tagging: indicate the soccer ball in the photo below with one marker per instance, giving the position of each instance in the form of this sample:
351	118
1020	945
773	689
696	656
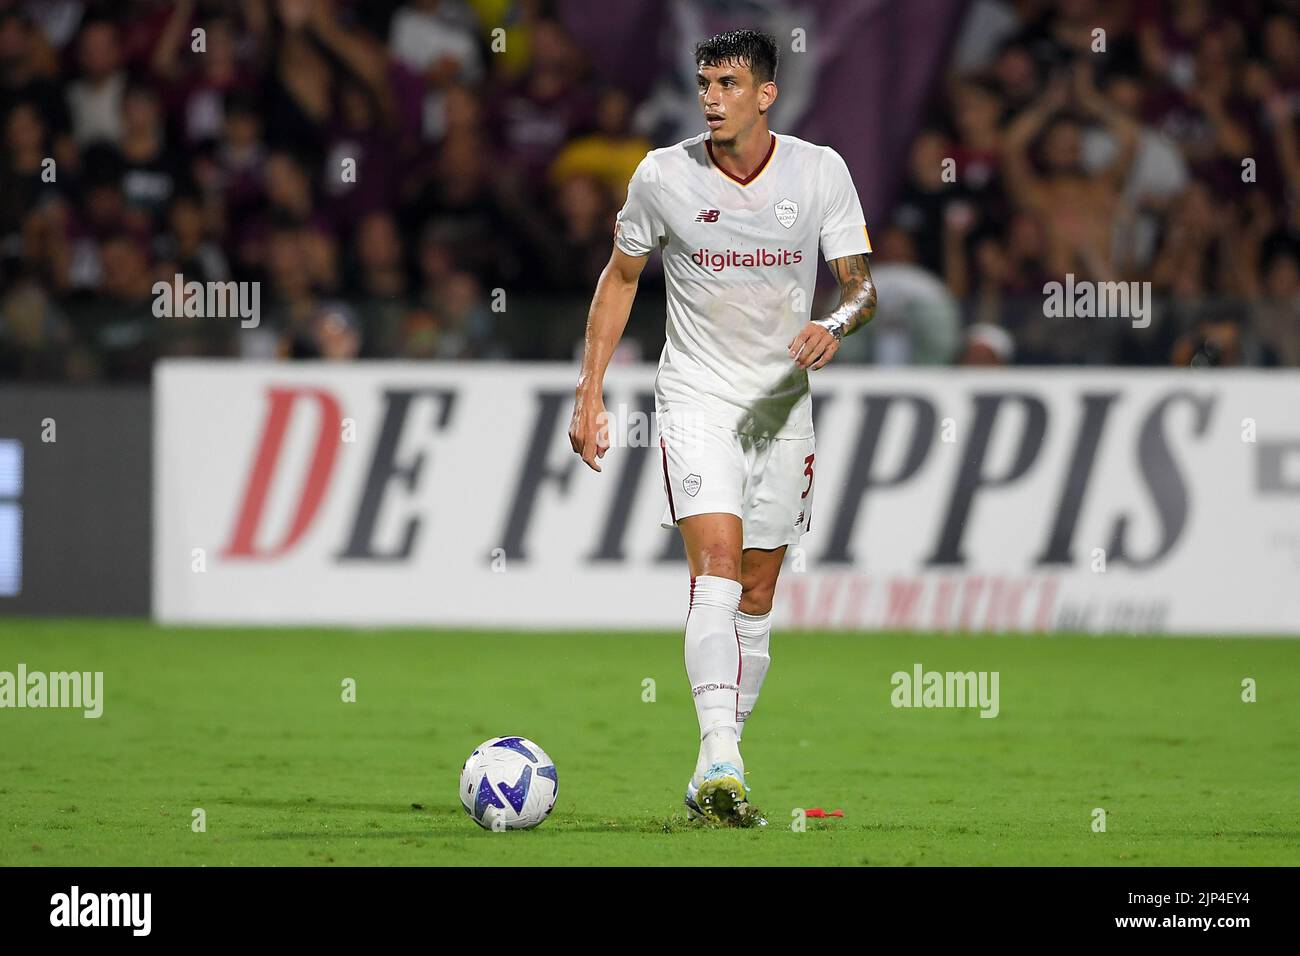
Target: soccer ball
508	783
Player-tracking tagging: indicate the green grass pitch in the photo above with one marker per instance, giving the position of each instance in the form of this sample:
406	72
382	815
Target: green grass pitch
250	726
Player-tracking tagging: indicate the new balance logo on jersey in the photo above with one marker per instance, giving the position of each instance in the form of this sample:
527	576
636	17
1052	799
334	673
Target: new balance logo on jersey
759	258
707	215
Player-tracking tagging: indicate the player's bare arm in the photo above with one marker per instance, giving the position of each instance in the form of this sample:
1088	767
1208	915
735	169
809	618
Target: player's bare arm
610	307
1022	181
820	339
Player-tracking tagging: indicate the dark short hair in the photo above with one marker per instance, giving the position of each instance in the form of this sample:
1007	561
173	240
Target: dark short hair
756	50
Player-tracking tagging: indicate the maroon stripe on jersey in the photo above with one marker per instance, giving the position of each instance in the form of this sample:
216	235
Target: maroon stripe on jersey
708	145
668	487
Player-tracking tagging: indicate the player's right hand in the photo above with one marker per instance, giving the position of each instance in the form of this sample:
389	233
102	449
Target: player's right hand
589	429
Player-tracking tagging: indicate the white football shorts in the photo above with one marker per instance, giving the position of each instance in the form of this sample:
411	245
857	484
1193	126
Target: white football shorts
767	482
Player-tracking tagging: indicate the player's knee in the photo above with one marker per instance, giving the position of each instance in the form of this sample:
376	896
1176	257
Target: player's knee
719	561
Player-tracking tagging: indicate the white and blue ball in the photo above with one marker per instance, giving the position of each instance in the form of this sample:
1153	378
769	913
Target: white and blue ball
508	783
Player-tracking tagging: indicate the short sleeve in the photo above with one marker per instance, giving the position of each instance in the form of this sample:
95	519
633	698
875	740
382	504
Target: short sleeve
844	228
640	223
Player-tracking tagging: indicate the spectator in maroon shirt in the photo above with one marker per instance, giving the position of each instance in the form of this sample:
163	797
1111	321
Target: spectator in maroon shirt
361	172
538	114
199	80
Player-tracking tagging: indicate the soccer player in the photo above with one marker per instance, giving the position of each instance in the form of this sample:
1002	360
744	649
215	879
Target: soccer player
739	213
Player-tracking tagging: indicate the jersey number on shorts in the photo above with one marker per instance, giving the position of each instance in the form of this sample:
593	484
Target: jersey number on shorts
809	472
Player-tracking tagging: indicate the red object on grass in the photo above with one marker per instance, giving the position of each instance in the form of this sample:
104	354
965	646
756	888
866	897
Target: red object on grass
819	812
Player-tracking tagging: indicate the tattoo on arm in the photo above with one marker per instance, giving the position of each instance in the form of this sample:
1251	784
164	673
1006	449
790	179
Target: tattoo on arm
857	293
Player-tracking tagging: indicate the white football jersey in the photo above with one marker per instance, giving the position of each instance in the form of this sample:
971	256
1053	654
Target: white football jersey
740	265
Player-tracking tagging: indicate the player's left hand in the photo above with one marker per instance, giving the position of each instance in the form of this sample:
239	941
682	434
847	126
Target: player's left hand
813	347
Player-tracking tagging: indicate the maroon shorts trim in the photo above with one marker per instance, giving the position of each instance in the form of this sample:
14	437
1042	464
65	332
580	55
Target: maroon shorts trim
668	484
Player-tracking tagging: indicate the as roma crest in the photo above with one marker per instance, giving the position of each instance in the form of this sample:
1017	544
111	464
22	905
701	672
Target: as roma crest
787	211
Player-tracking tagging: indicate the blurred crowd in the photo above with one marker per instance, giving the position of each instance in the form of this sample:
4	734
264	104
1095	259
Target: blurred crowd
380	168
1143	141
396	175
